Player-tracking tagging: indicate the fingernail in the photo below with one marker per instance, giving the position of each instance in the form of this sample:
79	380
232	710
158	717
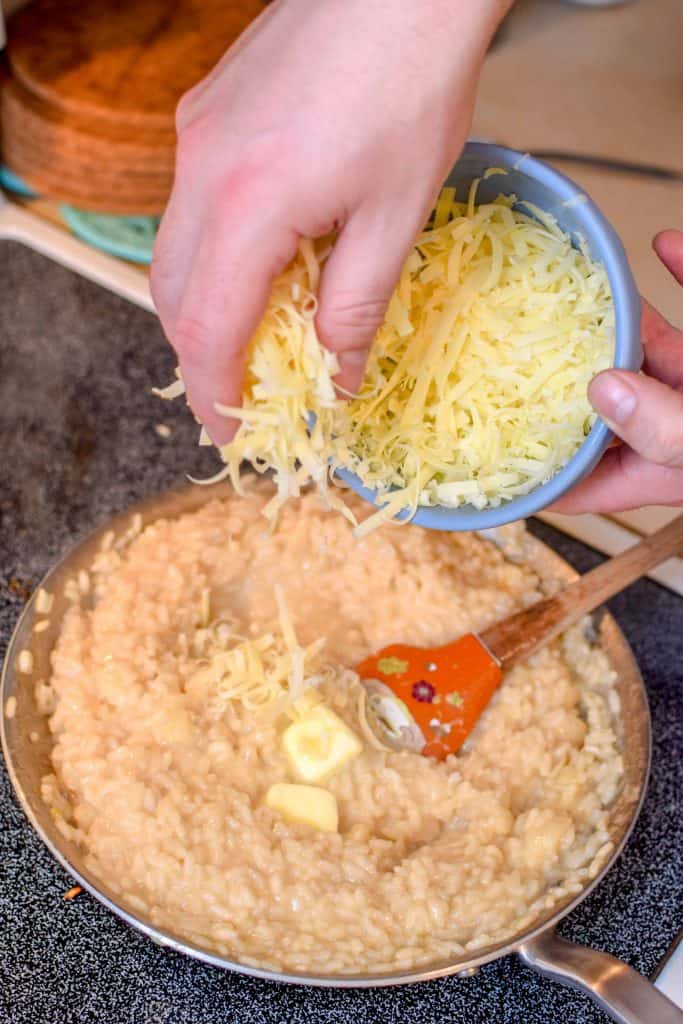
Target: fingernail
612	397
353	357
351	366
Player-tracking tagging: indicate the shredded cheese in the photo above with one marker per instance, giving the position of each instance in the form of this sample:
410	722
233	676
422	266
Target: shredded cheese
174	390
289	401
25	662
476	386
270	672
43	601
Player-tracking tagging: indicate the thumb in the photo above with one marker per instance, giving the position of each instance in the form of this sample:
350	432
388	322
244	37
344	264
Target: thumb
669	247
645	413
356	286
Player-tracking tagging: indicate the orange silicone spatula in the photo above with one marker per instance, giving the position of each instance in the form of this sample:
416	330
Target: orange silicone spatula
429	699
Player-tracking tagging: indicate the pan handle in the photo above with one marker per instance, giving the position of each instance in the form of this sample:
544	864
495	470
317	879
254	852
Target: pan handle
624	995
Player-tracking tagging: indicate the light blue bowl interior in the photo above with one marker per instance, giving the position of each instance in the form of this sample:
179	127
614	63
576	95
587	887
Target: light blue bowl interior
535	182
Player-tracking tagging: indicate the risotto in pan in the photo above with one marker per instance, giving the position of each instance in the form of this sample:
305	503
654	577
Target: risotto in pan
212	756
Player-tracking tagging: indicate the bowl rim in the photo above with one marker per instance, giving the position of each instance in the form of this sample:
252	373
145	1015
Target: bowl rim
599	234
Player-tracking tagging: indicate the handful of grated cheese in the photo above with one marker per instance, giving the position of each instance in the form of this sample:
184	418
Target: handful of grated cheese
289	403
476	386
267	673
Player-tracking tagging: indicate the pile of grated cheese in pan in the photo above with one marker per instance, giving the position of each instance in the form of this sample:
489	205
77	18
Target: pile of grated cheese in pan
475	389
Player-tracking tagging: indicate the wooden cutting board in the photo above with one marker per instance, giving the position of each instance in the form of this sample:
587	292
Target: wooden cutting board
88	101
127	61
94	166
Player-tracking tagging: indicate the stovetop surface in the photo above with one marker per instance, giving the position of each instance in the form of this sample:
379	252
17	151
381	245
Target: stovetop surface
77	443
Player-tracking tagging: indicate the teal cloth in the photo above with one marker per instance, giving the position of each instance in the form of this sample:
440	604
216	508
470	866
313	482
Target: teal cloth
13	183
130	238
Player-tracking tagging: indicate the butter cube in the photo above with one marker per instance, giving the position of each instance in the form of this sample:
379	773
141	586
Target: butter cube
304	805
318	744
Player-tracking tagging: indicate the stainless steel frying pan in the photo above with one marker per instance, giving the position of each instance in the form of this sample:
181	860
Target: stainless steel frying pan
622	993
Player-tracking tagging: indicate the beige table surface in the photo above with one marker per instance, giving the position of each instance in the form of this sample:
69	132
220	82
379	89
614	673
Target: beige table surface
598	81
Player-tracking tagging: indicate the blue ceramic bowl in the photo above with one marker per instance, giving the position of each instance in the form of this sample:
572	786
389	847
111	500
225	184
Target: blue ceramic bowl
536	182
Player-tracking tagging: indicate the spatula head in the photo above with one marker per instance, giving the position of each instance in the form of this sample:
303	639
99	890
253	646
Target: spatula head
429	699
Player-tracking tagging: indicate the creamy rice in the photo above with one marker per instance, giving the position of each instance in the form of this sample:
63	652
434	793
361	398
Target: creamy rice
432	859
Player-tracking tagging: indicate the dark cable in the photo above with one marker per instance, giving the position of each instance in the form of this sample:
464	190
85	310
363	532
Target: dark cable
609	164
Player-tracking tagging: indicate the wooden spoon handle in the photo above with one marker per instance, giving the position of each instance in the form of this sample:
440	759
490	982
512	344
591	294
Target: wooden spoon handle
518	636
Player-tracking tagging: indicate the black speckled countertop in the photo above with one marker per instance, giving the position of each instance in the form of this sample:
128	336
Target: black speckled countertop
77	443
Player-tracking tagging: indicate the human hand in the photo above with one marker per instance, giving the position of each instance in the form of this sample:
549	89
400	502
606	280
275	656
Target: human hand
325	115
646	412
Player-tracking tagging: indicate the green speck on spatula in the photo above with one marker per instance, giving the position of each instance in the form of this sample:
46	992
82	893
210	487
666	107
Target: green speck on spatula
392	666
